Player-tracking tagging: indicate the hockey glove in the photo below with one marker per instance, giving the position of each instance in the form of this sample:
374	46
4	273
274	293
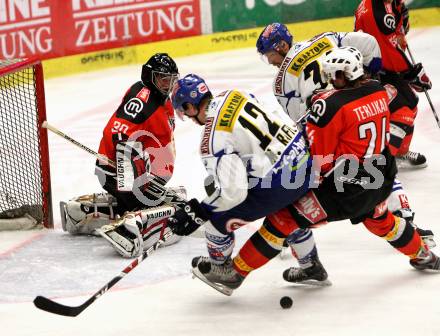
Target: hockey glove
418	78
188	219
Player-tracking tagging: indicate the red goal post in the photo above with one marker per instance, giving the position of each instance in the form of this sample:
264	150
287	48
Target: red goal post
25	192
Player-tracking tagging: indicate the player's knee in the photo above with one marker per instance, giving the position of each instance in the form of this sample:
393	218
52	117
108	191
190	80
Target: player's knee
283	221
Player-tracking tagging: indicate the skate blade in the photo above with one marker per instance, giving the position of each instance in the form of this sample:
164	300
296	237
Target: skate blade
404	166
315	283
218	287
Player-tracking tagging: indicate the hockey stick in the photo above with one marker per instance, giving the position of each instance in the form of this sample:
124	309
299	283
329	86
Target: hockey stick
426	91
53	307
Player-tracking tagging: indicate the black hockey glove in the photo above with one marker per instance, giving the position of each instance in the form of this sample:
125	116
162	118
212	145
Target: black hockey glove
418	79
187	219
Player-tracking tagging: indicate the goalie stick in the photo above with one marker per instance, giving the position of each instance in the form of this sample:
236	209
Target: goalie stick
50	306
157	189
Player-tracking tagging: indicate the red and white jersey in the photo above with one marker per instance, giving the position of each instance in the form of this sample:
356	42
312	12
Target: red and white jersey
143	116
300	72
384	22
353	121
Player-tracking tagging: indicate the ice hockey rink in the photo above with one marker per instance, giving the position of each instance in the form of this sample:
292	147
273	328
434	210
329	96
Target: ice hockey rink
375	291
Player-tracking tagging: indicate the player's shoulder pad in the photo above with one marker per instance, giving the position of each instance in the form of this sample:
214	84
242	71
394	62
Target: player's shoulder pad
327	104
138	104
323	108
386	22
227	109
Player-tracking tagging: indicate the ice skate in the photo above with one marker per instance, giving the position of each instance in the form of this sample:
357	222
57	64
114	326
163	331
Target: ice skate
411	160
428	262
315	275
223	278
427	237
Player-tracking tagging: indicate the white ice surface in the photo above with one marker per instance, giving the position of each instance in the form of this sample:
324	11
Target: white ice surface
374	292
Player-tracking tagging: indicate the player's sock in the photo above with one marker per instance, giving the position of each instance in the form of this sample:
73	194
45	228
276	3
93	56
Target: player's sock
397	232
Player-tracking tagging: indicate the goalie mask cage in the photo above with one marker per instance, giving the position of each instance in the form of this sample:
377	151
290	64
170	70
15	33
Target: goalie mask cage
25	198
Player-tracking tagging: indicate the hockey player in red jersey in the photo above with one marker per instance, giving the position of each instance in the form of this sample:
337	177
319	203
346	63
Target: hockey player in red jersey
347	133
139	138
388	22
298	77
353	119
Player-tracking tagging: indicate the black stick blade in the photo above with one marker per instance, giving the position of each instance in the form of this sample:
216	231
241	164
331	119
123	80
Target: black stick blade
57	308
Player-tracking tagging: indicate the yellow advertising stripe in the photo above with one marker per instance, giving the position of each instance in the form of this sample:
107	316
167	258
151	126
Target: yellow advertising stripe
308	55
229	111
188	46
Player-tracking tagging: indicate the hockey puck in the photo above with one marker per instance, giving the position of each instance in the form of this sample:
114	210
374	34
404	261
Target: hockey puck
286	302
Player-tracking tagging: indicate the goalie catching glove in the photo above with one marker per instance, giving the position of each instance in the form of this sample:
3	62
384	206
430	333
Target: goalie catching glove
188	219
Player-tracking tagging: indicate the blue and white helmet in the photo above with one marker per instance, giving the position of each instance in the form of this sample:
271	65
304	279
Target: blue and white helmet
271	36
190	89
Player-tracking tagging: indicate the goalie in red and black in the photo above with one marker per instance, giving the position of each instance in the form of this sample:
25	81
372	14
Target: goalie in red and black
388	22
139	137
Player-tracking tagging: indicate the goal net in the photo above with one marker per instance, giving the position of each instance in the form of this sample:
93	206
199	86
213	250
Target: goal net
25	199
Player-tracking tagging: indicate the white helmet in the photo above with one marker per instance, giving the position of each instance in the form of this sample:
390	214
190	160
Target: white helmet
346	59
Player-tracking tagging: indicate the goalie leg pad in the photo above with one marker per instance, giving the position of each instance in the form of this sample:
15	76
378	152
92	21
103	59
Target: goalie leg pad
84	214
124	235
154	225
155	221
138	231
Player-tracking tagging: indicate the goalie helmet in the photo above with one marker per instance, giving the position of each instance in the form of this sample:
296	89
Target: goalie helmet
271	36
346	59
190	89
160	71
